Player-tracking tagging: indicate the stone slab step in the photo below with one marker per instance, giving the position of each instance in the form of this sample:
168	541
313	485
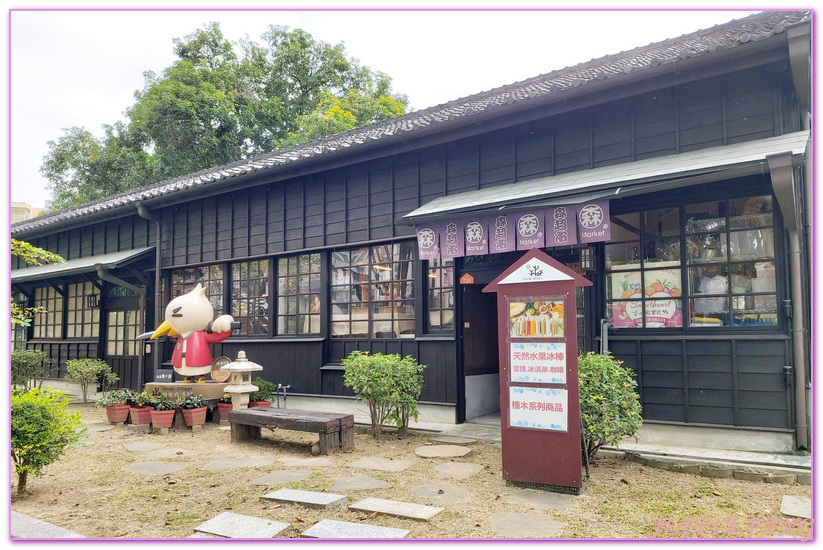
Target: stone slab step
229	525
442	451
331	529
395	508
797	507
311	499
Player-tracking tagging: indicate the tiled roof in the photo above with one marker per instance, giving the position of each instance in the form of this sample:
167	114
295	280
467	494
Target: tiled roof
734	34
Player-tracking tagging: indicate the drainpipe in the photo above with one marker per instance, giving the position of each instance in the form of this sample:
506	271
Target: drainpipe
783	184
144	213
604	335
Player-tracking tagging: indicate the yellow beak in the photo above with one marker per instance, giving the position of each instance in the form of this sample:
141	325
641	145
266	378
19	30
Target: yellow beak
164	330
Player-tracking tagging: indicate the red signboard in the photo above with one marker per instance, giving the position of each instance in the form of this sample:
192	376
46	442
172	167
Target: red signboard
539	388
467	279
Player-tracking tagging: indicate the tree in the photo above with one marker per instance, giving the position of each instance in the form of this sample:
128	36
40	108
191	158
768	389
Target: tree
88	373
217	104
32	255
41	430
29	367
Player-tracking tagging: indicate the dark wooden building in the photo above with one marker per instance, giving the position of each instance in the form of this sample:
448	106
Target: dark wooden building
673	175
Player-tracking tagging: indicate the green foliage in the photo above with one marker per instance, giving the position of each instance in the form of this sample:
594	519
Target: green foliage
29	367
225	398
163	403
191	402
41	429
608	401
264	390
389	384
89	373
123	396
219	103
32	255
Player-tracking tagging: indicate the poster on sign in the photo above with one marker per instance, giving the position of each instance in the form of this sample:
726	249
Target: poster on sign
539	408
538	362
593	221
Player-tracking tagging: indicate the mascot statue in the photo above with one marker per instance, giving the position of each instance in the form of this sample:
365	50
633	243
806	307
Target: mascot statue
189	318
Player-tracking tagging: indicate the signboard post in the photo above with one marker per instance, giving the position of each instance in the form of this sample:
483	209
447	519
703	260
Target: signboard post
539	388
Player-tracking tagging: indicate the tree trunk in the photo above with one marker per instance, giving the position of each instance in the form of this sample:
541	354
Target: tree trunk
22	477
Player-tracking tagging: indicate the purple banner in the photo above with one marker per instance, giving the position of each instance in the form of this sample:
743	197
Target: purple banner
451	241
561	226
530	229
593	221
501	233
427	242
477	236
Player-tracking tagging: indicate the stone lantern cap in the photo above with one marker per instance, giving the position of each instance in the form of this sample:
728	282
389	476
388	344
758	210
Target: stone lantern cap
240	370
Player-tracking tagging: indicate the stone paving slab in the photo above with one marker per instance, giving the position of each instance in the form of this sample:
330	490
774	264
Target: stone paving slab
306	462
442	451
451	440
541	499
798	507
238	526
98	429
521	526
236	462
331	529
27	527
443	493
457	470
359	483
143	446
383	464
311	499
172	453
395	508
203	536
277	477
154	468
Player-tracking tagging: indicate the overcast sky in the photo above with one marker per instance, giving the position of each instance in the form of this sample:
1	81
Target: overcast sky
81	68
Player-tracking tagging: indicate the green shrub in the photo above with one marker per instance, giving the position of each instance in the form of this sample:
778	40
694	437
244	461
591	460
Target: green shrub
162	403
123	396
264	390
41	429
389	384
609	404
29	367
89	373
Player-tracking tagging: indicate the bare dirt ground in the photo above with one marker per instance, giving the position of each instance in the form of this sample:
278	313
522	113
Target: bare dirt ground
88	492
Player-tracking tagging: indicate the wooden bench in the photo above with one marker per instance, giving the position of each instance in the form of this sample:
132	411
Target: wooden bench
336	430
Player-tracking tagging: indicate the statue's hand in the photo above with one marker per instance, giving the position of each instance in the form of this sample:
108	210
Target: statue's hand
222	323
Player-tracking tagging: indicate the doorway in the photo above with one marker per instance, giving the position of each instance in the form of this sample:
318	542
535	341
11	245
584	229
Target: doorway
480	358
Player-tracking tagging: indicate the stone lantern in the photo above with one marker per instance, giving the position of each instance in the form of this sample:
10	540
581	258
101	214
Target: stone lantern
240	382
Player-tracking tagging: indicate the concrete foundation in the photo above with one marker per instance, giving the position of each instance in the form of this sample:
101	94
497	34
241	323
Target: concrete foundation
482	395
426	413
714	438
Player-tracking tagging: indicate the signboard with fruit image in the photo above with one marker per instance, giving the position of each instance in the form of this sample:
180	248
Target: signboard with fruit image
539	318
663	306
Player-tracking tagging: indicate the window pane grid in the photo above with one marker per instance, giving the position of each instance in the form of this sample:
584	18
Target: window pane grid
83	317
250	296
48	324
211	277
298	291
440	298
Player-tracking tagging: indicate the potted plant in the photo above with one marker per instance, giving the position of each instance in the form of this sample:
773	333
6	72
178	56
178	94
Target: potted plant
261	397
163	414
117	404
224	406
194	409
141	406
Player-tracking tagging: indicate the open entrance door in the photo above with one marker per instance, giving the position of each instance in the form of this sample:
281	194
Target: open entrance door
480	352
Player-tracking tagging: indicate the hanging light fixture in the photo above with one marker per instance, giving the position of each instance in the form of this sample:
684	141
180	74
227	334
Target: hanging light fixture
586	258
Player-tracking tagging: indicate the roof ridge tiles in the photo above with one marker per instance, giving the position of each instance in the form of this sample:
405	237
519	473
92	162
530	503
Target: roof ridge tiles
701	42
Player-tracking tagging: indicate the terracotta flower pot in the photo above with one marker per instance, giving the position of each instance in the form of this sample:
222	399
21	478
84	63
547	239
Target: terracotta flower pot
162	419
117	413
141	415
194	417
264	404
223	410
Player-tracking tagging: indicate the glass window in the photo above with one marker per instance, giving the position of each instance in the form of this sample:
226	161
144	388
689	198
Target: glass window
123	329
372	291
250	296
210	276
49	323
83	316
727	248
298	294
440	299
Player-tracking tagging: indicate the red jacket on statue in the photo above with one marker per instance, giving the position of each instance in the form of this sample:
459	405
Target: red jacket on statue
195	348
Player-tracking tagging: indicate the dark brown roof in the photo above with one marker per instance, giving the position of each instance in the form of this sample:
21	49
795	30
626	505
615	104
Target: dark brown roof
455	113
